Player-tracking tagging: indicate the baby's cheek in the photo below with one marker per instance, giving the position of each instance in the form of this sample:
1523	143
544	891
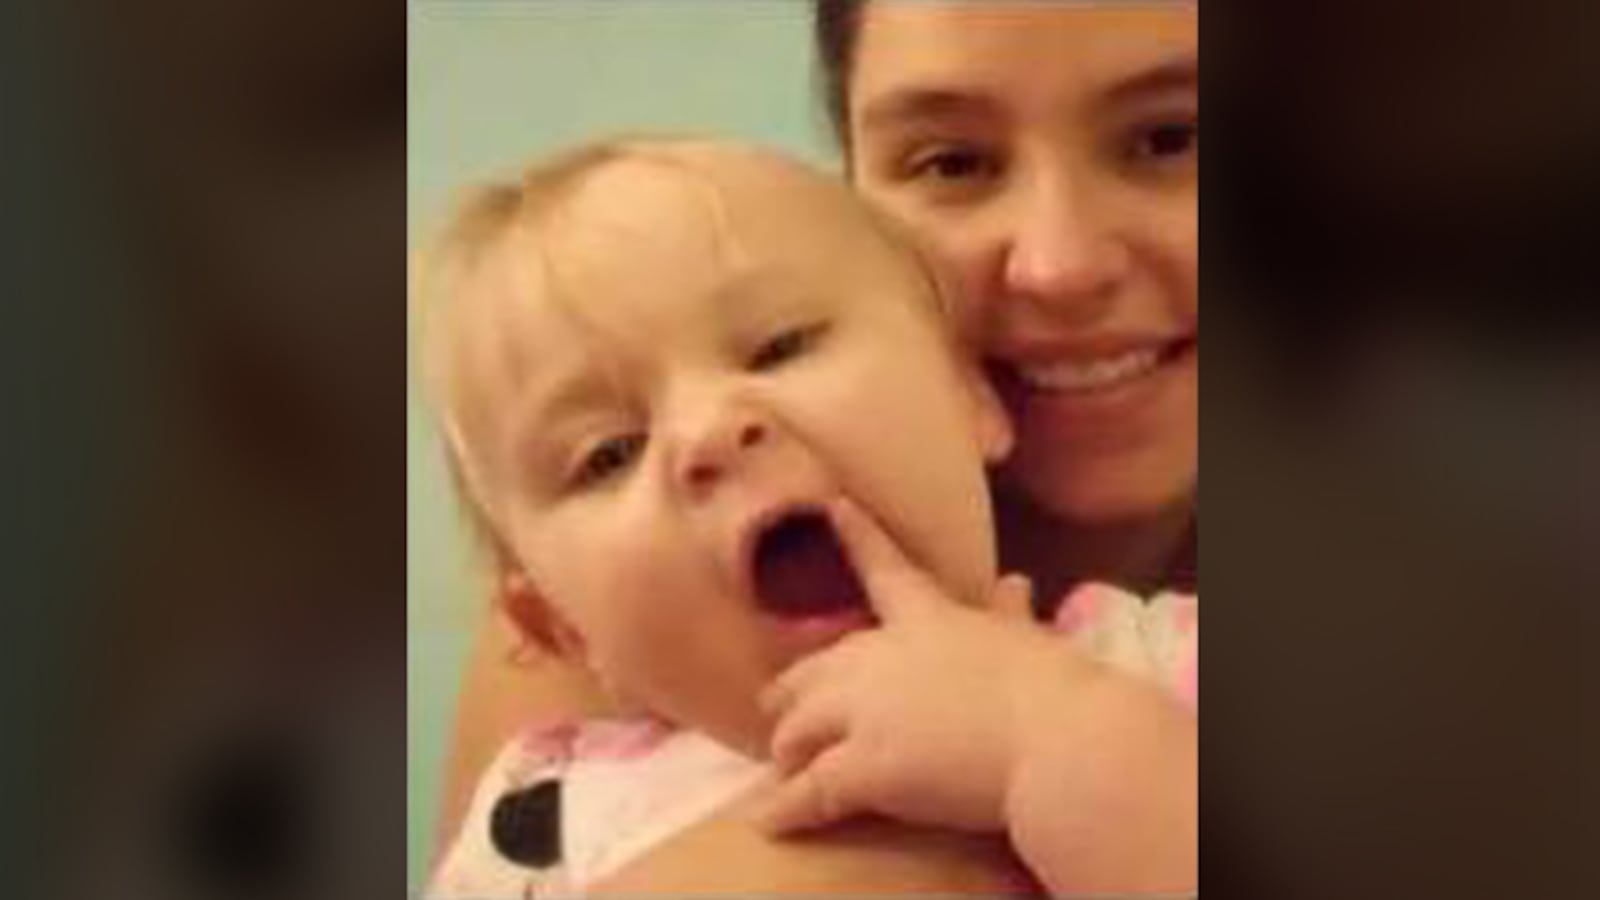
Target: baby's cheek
588	582
626	607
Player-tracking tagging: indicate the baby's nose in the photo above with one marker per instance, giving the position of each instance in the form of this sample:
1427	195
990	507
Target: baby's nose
718	447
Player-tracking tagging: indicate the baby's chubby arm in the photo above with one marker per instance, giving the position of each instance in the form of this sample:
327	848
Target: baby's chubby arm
1105	799
984	721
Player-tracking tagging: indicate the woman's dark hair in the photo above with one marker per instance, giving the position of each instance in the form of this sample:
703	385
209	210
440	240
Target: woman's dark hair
836	27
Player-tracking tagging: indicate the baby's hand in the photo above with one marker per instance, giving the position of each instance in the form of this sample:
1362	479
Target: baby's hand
922	719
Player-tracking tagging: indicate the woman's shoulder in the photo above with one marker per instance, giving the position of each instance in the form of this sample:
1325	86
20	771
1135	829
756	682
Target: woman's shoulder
726	855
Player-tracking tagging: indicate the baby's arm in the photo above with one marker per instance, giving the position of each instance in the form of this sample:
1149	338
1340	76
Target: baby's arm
1106	798
983	720
1091	773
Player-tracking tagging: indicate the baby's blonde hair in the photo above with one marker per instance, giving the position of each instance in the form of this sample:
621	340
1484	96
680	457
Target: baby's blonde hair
490	212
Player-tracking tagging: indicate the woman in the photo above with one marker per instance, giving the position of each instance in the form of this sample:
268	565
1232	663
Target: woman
1049	159
1046	156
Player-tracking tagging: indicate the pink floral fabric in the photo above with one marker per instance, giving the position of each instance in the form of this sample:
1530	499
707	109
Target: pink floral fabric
1158	639
594	739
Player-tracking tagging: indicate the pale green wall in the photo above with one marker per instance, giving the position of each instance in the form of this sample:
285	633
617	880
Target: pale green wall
492	83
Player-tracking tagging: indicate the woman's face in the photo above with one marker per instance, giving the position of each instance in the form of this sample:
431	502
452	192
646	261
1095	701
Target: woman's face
1047	156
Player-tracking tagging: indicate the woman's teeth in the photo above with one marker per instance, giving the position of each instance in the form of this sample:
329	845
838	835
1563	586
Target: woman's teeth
1092	375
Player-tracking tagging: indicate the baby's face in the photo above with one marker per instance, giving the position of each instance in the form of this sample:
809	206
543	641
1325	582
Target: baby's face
661	415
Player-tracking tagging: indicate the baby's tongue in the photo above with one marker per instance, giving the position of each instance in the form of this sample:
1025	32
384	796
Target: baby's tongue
802	571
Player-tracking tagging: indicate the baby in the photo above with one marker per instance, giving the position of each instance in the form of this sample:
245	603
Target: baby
691	393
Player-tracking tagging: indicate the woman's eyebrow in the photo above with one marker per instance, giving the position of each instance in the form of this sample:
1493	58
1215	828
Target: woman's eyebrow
897	107
1175	75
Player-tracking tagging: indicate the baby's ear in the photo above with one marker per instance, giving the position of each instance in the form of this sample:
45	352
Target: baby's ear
535	618
990	419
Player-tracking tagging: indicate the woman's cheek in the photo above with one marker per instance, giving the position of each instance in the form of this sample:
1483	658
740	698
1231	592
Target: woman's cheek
958	245
1175	244
966	265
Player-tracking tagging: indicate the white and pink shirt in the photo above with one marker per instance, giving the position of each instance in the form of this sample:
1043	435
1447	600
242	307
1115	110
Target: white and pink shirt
562	808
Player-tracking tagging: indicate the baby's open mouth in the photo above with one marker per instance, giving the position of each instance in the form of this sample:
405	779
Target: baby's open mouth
801	571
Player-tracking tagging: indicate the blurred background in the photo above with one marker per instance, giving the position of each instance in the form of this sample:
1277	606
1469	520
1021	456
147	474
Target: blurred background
491	86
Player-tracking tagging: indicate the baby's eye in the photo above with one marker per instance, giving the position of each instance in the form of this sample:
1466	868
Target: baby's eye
952	163
607	459
1165	143
786	345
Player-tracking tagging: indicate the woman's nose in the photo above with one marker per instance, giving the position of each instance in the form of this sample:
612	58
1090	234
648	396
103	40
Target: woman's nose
717	445
1062	255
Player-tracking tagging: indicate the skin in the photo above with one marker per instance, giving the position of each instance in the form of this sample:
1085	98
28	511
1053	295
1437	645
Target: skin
629	437
726	856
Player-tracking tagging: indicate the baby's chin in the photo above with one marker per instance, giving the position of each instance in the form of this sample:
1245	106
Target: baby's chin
732	717
749	735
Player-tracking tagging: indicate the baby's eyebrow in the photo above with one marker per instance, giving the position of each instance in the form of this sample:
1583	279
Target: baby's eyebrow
553	399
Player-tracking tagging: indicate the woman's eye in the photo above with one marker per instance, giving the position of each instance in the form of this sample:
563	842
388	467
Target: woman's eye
784	346
1166	142
952	163
608	458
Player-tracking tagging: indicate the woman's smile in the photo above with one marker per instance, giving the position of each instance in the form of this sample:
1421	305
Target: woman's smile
1097	394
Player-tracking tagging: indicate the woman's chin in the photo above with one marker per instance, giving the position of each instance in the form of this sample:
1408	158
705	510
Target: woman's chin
1107	492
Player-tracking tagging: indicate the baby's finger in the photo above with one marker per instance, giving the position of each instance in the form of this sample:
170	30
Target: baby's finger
813	797
782	692
809	729
891	579
805	675
1013	598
